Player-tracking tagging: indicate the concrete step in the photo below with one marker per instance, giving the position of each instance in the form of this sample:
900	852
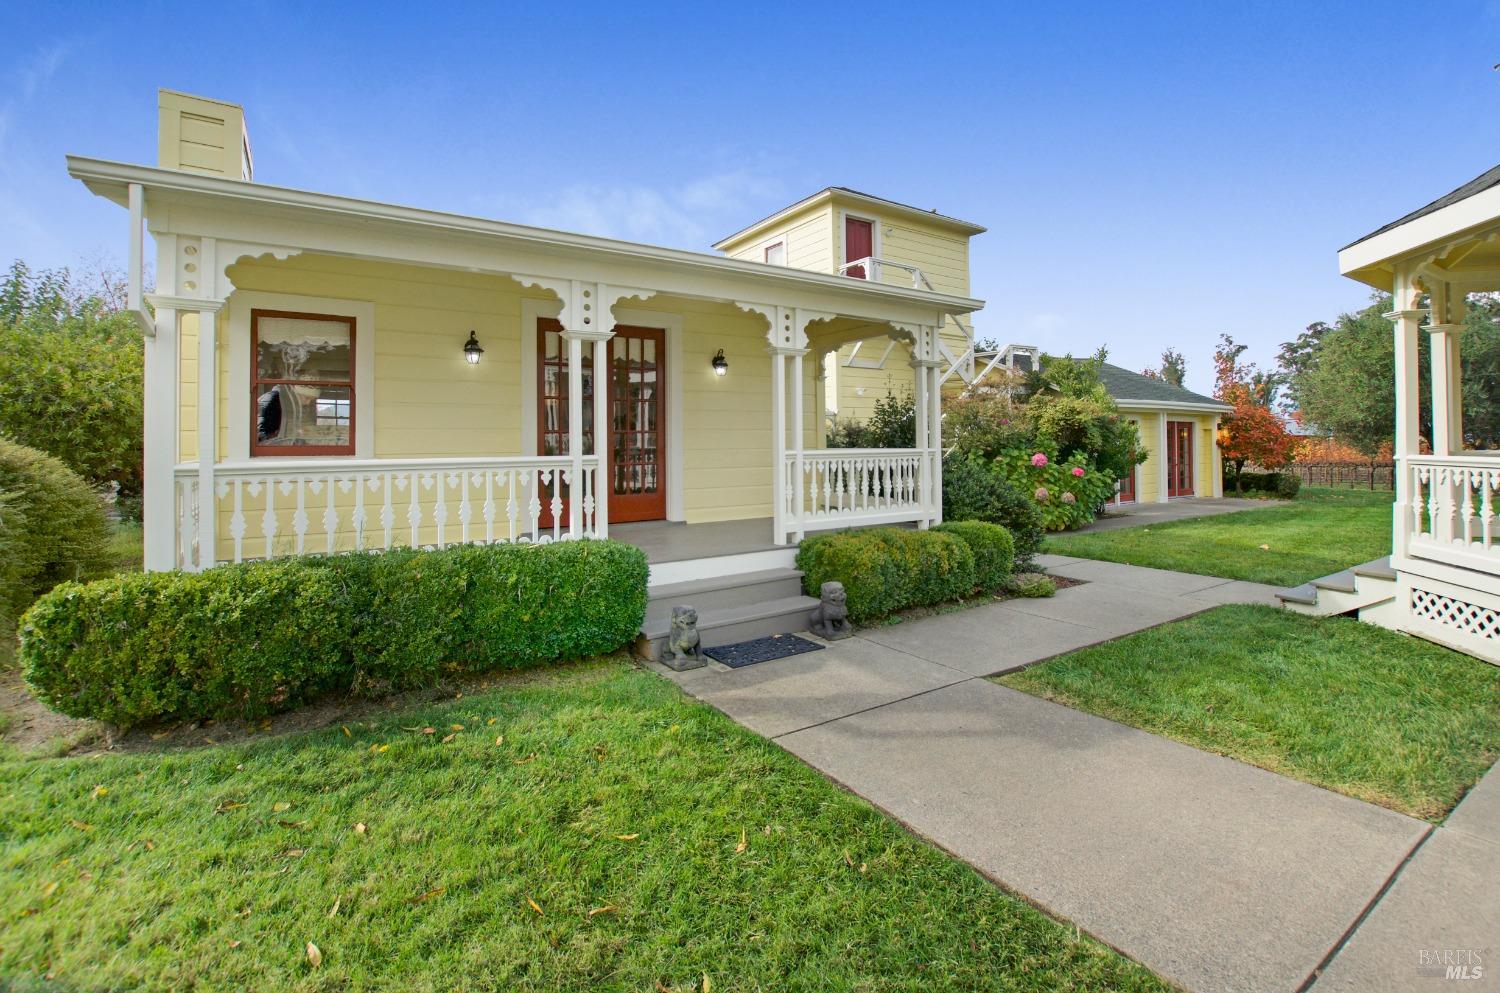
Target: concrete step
724	591
1367	587
727	625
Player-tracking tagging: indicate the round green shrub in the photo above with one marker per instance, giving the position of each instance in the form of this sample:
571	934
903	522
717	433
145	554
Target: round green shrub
1031	585
58	528
994	550
888	569
975	490
1288	485
251	639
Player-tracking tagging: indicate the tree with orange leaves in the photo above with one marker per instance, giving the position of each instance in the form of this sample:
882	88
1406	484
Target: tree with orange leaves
1252	432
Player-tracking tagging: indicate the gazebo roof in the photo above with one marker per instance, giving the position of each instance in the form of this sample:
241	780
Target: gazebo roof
1476	185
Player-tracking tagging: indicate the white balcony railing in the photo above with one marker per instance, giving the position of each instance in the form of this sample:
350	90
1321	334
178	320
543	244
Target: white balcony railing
878	270
1451	507
842	487
272	507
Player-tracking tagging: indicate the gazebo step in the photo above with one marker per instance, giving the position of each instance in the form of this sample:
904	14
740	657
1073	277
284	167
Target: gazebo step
724	591
727	625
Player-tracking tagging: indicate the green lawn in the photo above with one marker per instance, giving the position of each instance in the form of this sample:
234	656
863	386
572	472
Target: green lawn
589	828
1349	706
1320	532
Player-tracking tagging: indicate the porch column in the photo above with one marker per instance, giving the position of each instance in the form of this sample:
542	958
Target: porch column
923	440
208	433
778	444
927	367
1447	407
1407	319
602	484
162	431
799	433
1161	457
935	428
576	509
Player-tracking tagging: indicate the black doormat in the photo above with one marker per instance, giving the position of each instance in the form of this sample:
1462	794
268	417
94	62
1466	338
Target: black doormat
778	646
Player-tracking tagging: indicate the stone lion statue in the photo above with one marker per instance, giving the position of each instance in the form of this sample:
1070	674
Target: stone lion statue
683	649
830	619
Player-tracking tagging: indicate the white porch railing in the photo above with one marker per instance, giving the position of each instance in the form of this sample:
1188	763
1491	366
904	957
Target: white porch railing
1451	507
274	507
843	487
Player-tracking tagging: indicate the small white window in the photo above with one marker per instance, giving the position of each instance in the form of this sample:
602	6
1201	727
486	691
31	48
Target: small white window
776	253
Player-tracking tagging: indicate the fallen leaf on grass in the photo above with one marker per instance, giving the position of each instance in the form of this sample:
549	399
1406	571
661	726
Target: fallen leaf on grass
48	890
279	806
80	825
423	898
347	732
455	727
608	908
534	905
100	791
626	837
293	853
235	943
294	825
429	730
314	955
529	758
744	843
150	845
359	828
705	983
1265	548
335	911
227	806
500	741
491	721
662	987
448	738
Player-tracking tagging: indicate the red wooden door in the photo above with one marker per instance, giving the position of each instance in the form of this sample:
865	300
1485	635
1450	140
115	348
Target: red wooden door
1127	488
1179	458
637	425
635	461
859	243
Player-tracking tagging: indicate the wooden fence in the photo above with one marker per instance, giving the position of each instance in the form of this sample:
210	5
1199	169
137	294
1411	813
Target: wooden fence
1360	475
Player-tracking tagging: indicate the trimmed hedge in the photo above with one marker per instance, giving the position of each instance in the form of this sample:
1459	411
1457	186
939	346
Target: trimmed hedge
994	551
976	490
1282	485
888	569
256	638
55	527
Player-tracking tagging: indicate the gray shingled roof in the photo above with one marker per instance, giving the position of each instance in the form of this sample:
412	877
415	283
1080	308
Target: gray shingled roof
1476	185
1125	386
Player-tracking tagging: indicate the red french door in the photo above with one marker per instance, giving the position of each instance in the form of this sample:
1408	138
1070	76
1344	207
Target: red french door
859	243
635	459
1127	488
1179	458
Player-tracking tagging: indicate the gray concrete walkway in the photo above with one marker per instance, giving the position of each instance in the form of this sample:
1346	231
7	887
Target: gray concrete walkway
1136	514
1218	875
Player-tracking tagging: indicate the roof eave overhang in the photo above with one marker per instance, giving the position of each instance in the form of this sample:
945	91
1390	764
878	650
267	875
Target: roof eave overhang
112	180
1373	260
1156	405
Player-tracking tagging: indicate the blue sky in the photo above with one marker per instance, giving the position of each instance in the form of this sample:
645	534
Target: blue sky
1151	175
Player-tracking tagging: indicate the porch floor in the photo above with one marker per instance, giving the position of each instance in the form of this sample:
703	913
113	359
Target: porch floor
674	541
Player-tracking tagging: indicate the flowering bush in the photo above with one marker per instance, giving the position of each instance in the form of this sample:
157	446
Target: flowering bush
1067	492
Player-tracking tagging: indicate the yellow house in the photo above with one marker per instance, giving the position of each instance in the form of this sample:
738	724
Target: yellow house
326	373
842	231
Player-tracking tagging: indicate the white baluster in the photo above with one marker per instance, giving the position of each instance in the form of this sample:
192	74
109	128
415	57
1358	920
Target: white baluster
330	516
489	507
1488	480
440	511
269	525
414	510
388	509
465	511
299	519
237	520
536	482
359	519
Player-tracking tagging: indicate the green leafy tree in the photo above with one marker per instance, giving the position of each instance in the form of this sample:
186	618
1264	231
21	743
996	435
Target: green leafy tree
1173	368
71	372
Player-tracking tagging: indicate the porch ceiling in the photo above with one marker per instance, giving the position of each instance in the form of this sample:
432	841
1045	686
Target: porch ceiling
1456	238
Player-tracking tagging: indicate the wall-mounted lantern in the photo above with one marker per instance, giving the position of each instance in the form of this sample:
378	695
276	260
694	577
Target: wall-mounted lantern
472	351
720	364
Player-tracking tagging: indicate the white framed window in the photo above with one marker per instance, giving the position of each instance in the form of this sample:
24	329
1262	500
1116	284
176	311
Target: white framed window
775	253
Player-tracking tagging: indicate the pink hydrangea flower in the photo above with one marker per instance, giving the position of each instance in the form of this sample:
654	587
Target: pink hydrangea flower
1069	499
1078	471
1039	459
1040	495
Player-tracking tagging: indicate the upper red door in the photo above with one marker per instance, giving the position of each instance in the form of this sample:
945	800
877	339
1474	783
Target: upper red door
1127	488
859	243
1179	458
